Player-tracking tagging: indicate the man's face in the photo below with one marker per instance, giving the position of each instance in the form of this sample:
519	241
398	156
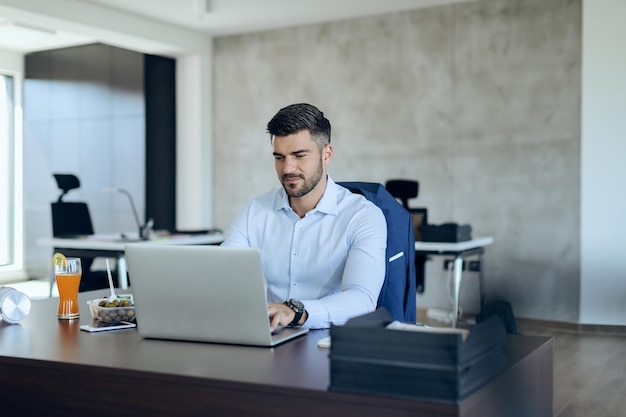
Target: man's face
299	163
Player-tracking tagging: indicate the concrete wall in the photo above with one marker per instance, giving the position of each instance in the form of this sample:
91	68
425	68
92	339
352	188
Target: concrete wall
480	102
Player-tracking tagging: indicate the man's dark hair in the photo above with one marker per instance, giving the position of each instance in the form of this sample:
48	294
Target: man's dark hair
297	117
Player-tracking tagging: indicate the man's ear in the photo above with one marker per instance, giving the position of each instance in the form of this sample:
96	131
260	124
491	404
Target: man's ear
327	154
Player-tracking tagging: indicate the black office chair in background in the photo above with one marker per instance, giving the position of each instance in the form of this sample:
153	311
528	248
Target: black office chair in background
404	190
71	220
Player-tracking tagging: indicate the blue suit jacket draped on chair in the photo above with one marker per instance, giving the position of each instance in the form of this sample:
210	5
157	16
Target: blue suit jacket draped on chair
398	294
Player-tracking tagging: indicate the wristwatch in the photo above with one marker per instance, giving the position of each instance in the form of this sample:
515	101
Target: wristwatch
298	308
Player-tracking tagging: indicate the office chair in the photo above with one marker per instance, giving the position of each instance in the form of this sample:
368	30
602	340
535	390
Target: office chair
70	220
398	294
405	190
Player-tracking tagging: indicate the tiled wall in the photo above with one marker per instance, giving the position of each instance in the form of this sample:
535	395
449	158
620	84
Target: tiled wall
478	101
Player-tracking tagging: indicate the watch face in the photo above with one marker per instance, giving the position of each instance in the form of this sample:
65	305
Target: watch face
297	304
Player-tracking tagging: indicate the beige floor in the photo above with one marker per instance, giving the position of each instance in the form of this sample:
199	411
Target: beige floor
589	372
589	364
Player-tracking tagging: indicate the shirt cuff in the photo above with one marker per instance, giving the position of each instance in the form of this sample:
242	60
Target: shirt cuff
318	316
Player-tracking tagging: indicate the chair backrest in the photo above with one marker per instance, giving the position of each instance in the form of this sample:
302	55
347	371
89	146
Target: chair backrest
66	183
403	190
71	219
398	294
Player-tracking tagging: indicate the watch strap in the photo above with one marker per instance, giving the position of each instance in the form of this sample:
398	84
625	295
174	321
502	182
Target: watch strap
299	312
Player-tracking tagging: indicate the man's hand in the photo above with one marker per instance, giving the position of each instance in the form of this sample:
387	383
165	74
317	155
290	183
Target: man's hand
282	315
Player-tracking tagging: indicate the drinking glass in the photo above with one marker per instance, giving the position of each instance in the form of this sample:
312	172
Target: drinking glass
68	276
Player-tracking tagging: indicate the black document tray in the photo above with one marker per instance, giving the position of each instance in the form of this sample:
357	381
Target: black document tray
367	358
447	232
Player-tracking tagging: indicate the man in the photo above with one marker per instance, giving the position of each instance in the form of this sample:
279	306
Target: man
322	247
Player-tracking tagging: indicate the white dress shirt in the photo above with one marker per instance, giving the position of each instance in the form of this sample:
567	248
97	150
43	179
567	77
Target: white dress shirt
332	259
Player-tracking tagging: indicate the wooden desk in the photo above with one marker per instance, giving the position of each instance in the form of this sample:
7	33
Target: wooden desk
460	251
112	246
51	368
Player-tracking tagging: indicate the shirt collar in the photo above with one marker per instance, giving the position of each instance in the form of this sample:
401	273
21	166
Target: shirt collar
327	204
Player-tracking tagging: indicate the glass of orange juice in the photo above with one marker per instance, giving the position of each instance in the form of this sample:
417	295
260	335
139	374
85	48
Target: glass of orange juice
67	273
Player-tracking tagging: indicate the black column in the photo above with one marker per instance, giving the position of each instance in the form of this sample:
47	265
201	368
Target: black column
160	96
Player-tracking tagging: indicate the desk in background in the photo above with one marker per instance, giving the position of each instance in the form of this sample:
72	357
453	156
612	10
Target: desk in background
112	246
460	251
51	368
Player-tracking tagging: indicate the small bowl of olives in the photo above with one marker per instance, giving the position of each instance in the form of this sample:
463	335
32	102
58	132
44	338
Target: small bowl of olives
113	310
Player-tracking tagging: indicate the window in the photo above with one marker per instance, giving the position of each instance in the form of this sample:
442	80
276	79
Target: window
10	180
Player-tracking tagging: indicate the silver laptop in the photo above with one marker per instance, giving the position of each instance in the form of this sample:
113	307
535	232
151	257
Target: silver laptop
202	293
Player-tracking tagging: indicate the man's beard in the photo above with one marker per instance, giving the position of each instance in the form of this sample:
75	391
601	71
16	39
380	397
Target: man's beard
308	184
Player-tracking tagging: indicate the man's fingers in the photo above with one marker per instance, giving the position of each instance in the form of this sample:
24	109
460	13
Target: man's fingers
274	321
274	316
280	315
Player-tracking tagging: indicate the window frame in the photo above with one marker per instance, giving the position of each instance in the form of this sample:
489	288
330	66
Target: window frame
14	269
